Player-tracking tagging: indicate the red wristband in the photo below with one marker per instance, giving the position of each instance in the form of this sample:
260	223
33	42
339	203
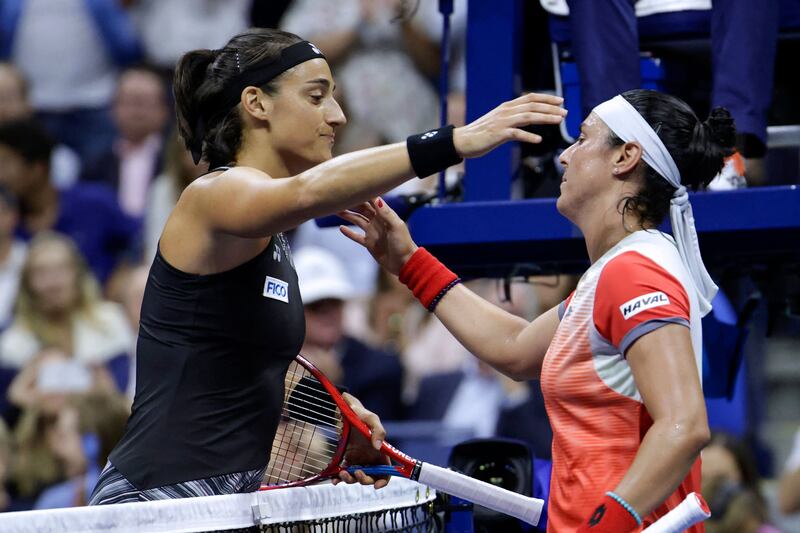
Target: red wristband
609	517
427	278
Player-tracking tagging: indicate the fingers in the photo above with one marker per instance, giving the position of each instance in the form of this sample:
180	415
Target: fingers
527	119
357	219
360	477
356	237
525	136
374	424
365	209
538	97
385	213
537	107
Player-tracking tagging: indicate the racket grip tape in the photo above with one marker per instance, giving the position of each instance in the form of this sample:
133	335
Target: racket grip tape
482	493
690	511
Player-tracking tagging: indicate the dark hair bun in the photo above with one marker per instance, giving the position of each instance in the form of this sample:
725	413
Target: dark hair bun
712	141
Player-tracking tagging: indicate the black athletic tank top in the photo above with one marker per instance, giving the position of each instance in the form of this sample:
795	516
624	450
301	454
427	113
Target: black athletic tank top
210	364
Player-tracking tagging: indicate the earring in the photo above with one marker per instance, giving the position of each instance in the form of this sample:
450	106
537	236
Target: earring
616	171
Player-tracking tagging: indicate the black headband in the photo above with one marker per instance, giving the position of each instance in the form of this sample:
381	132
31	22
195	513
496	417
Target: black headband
258	75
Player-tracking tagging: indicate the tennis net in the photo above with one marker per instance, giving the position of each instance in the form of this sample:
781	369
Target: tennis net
403	505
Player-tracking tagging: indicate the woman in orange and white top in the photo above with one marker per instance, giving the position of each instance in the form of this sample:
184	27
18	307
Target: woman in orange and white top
620	359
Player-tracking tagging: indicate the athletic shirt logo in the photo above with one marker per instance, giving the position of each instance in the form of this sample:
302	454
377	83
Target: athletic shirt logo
276	289
281	245
642	303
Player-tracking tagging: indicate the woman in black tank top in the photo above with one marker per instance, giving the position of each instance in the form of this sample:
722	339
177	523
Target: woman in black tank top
222	316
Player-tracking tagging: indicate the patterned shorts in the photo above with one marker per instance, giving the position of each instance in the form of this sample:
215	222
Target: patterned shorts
112	487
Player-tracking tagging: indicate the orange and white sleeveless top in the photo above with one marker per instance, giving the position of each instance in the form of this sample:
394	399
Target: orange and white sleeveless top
595	409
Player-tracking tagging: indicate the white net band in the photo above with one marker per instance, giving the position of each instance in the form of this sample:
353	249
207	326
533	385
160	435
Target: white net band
220	513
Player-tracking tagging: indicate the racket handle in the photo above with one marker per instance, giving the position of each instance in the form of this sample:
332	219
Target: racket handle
690	511
482	493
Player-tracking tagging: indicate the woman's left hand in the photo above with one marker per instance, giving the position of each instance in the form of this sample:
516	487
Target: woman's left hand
385	235
361	451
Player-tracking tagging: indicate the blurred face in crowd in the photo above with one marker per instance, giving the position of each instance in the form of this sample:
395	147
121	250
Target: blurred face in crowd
13	100
20	176
719	462
140	107
52	276
64	440
324	322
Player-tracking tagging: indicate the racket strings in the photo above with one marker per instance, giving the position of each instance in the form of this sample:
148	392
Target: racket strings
307	440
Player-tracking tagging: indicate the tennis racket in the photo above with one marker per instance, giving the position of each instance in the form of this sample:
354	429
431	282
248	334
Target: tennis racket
312	438
692	509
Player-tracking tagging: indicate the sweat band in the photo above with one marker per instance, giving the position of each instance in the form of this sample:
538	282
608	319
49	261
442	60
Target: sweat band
432	151
427	278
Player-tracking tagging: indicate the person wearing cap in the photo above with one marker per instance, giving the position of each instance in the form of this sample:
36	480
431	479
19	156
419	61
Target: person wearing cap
620	359
373	376
222	316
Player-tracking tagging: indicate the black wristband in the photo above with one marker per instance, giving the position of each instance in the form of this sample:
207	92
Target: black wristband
432	151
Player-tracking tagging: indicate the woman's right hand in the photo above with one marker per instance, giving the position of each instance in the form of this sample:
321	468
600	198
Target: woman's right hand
385	235
505	122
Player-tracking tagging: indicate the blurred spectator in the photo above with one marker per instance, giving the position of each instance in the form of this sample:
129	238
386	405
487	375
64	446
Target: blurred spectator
743	69
169	28
6	460
477	398
88	213
361	38
12	254
59	305
65	165
429	336
179	171
373	376
141	112
35	466
391	318
735	508
84	433
47	380
731	486
69	51
789	488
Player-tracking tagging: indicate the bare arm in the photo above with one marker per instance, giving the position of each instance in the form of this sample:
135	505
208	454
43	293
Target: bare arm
512	345
249	204
664	369
505	341
335	45
423	50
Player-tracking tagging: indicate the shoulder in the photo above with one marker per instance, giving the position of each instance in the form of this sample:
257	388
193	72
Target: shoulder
645	255
232	180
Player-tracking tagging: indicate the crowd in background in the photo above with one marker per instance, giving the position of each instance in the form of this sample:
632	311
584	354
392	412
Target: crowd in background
90	168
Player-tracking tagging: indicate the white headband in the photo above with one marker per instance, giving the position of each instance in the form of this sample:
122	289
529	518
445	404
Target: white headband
626	122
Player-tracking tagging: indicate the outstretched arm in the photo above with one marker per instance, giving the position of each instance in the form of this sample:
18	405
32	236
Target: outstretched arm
247	204
505	341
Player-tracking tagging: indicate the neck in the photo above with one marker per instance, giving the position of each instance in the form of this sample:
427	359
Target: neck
258	152
603	229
